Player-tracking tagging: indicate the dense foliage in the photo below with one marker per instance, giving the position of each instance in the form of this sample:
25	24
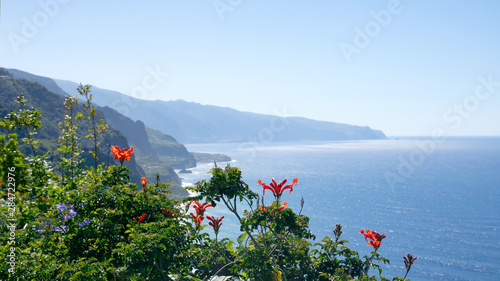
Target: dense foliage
92	223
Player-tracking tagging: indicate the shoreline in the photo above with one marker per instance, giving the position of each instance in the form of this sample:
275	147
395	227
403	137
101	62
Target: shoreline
198	173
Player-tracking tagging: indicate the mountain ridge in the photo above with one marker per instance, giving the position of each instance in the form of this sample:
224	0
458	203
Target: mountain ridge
192	122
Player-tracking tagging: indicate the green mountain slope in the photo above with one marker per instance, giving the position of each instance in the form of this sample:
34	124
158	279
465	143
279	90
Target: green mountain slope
170	151
52	112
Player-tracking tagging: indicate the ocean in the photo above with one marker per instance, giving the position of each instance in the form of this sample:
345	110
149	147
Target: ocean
439	201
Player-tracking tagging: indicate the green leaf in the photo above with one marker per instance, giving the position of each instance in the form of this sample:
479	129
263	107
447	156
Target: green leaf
230	246
242	238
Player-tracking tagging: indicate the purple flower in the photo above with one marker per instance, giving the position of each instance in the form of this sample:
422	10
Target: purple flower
84	223
67	210
45	225
61	207
61	228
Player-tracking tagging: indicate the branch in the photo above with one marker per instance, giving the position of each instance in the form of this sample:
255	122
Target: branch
233	210
221	269
279	244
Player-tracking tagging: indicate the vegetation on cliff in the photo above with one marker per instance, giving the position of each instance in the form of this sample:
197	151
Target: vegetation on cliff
52	113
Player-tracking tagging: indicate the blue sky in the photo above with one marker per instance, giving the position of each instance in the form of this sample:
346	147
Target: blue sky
405	67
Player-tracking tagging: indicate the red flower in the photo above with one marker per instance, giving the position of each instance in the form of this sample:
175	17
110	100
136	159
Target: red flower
277	189
143	182
215	222
262	209
200	211
200	208
283	206
408	262
168	213
140	219
122	154
197	218
375	238
374	243
368	235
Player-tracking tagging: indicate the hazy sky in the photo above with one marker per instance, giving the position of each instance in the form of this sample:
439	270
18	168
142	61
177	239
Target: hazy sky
404	67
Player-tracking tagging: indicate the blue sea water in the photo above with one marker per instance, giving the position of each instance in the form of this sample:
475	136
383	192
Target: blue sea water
438	201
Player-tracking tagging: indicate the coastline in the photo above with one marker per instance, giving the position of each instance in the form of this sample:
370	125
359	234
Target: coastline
198	173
